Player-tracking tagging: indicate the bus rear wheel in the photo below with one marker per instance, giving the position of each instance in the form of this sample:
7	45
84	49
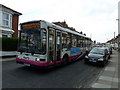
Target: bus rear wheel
65	60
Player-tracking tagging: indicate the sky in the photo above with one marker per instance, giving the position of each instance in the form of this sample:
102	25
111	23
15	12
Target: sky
95	18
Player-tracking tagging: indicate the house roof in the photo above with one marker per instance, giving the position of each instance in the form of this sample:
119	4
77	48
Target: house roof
18	13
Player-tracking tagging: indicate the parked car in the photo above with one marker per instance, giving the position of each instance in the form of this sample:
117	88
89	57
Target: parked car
98	55
109	51
109	46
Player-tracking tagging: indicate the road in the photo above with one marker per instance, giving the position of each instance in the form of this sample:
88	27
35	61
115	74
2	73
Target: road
74	75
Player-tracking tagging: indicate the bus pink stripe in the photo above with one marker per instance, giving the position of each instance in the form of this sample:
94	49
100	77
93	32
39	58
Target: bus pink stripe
72	57
43	63
34	62
59	61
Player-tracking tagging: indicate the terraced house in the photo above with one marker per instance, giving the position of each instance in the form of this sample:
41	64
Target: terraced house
9	19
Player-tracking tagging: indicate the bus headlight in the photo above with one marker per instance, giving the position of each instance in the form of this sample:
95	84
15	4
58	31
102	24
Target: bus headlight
38	59
18	56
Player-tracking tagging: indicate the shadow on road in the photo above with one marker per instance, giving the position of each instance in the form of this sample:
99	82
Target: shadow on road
44	71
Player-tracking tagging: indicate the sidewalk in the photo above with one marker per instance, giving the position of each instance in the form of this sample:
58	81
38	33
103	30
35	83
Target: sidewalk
8	55
109	77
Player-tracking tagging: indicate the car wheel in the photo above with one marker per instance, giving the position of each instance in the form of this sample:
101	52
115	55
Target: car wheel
109	57
102	64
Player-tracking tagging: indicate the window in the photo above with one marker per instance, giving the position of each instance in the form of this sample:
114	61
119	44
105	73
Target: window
84	43
7	19
79	42
44	41
74	40
65	40
69	40
33	41
4	36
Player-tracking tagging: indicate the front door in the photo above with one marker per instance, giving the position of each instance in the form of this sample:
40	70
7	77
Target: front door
54	45
51	46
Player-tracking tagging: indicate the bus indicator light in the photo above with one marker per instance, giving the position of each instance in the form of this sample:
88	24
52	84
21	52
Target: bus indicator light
42	59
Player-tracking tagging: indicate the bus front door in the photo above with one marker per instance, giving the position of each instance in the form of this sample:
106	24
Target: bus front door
51	49
54	45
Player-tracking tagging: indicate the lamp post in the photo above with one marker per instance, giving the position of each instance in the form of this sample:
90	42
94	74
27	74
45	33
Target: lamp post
118	30
114	40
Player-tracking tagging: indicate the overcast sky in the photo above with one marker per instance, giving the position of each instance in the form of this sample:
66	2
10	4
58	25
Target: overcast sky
96	18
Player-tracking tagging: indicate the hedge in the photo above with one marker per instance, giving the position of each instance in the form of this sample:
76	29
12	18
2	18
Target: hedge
9	44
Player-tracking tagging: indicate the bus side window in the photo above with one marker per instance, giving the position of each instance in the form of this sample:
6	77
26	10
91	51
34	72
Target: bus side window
74	41
64	40
81	42
44	40
69	40
78	42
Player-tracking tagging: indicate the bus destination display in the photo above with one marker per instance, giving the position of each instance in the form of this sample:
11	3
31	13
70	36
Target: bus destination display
30	25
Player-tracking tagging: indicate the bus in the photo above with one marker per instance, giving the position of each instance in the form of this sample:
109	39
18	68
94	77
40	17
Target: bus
44	45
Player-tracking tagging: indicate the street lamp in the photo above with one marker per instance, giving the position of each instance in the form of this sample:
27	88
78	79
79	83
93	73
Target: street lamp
114	40
118	25
118	30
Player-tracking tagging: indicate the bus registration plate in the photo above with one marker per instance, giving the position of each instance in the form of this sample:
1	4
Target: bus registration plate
26	64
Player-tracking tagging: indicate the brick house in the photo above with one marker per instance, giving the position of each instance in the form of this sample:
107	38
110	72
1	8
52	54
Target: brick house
9	19
115	40
64	24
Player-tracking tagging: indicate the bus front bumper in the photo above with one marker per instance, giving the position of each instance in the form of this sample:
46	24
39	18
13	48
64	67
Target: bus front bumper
35	64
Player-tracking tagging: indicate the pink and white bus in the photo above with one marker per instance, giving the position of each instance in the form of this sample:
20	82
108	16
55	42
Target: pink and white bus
43	44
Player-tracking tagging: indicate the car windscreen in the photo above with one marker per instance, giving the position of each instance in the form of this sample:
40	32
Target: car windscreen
97	51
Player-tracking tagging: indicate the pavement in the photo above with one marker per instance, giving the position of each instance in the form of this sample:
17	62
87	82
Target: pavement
108	78
8	55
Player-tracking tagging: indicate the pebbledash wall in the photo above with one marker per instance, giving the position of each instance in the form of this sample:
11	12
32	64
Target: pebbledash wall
9	20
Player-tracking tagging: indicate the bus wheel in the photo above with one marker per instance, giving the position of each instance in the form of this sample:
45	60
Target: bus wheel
65	60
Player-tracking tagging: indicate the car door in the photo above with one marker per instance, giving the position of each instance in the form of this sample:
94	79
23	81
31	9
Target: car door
106	54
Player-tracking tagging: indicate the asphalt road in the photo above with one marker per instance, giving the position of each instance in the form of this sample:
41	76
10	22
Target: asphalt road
74	75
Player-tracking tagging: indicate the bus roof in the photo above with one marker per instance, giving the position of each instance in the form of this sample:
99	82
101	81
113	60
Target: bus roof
57	27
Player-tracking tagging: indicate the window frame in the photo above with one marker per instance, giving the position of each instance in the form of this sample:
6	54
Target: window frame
9	20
